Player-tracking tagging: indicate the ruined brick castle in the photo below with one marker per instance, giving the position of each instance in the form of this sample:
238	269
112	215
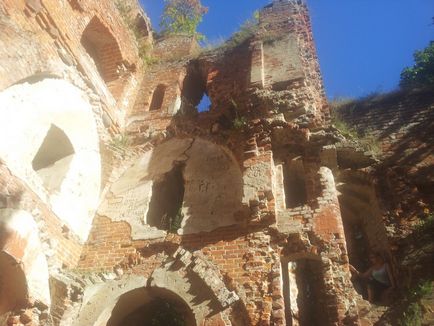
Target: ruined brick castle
116	193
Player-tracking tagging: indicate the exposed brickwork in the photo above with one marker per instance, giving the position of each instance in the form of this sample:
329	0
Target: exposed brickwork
62	248
236	249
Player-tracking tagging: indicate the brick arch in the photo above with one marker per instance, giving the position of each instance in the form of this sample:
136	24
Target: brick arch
111	302
133	304
187	278
103	48
23	266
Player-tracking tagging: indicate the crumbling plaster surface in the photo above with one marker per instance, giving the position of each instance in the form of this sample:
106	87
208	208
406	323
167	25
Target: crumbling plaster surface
212	180
28	111
20	240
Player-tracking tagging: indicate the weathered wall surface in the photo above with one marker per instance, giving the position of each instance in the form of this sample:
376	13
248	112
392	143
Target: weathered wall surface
70	188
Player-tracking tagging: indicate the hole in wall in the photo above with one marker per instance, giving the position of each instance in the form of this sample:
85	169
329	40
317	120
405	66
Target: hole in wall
142	27
194	94
167	199
294	183
158	98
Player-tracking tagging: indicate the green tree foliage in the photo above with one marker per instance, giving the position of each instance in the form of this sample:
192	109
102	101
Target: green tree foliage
182	17
422	73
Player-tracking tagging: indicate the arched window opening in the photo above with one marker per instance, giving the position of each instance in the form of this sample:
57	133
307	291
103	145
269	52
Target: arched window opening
142	27
304	292
294	183
103	48
157	98
194	94
167	199
53	158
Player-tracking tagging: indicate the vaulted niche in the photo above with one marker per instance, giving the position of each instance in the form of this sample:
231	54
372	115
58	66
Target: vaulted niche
142	27
158	98
194	94
103	48
166	201
294	182
53	158
151	306
304	293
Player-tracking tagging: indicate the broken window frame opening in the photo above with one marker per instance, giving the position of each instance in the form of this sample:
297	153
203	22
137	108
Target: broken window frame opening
294	182
157	99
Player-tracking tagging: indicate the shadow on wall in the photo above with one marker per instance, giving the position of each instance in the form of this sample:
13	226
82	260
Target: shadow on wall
212	183
403	122
304	292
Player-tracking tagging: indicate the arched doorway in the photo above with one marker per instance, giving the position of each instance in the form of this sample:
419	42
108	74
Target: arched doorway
151	306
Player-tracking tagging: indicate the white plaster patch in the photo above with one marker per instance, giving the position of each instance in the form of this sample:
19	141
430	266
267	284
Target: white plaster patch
27	113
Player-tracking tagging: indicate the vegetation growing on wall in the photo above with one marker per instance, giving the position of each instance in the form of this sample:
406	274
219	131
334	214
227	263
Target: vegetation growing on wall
413	315
182	17
145	50
422	73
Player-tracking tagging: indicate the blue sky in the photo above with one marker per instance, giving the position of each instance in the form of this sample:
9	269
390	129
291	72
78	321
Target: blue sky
363	45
